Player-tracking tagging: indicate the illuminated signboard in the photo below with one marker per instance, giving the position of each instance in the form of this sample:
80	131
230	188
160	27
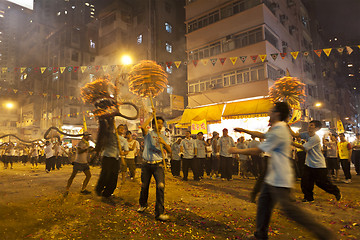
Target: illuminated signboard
24	3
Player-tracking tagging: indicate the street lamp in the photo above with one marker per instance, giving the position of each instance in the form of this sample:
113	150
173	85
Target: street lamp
318	104
126	60
9	105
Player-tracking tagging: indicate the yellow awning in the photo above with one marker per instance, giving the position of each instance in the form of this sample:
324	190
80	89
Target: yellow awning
174	120
209	113
247	109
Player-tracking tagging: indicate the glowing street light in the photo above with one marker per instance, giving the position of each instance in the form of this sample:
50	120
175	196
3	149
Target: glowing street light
126	60
9	105
318	104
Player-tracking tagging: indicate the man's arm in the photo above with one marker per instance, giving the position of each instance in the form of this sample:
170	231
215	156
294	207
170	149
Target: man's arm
294	134
245	151
298	145
144	126
252	133
167	146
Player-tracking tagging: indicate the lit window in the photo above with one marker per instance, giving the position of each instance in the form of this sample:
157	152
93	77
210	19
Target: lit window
169	47
92	44
91	5
87	4
350	65
58	13
169	89
92	13
351	75
139	39
169	69
168	27
65	12
73	7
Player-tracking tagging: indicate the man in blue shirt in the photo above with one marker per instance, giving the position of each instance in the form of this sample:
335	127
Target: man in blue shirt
153	166
279	178
315	166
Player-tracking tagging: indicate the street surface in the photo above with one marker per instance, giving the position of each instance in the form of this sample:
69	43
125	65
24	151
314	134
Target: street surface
32	206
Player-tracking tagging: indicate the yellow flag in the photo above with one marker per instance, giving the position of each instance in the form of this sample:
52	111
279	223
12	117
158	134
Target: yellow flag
177	63
62	69
262	57
104	67
340	126
294	54
327	51
22	69
84	122
198	126
83	68
296	114
43	69
233	60
4	69
204	61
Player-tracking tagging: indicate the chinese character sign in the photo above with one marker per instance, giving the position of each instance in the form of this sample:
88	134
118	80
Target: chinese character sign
198	126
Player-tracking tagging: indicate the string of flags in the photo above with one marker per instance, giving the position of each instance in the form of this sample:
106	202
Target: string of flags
260	57
88	114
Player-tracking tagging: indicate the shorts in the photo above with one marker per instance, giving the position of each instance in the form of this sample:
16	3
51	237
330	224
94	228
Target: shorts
333	163
81	167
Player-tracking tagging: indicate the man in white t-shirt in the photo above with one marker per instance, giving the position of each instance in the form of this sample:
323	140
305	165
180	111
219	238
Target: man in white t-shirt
134	148
279	178
50	156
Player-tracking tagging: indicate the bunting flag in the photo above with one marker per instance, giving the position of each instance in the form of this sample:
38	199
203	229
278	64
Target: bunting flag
62	69
349	50
274	56
318	52
168	64
97	67
340	50
83	68
262	57
71	97
177	63
306	54
204	61
222	61
4	69
70	69
49	68
213	61
254	57
243	58
105	67
185	63
112	67
195	62
294	54
55	69
57	96
44	94
89	67
15	90
283	55
233	60
327	51
31	93
22	69
43	69
359	46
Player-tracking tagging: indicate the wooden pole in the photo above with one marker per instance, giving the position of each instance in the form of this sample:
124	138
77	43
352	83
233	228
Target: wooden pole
157	130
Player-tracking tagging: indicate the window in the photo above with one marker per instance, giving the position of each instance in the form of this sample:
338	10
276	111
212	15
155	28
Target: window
73	112
168	47
139	39
169	69
75	36
108	39
108	20
92	58
75	56
169	89
168	27
271	38
92	44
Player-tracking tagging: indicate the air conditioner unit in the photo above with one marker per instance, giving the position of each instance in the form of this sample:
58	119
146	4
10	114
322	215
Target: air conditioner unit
283	17
290	3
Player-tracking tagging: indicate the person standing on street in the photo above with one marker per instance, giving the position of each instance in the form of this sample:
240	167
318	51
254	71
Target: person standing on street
356	153
226	159
188	148
49	155
200	153
81	164
175	158
153	166
134	148
345	152
279	177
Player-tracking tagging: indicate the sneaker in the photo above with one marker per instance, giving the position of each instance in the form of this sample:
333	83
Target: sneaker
338	196
142	209
47	171
347	181
85	192
162	217
305	200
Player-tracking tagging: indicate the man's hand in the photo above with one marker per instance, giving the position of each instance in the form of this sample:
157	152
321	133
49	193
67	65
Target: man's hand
161	141
233	150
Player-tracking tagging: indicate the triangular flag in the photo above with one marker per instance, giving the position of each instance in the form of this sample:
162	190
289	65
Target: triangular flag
168	64
204	61
359	46
274	56
262	57
318	52
36	69
306	54
44	94
195	62
15	90
29	69
340	50
243	58
70	69
222	60
97	68
177	63
349	50
49	68
4	69
83	68
57	96
31	93
104	67
89	67
254	57
76	68
185	63
213	61
113	67
55	69
43	69
283	55
22	69
294	54
233	60
327	51
62	69
71	97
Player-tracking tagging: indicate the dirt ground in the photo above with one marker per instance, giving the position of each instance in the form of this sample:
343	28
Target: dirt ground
32	206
